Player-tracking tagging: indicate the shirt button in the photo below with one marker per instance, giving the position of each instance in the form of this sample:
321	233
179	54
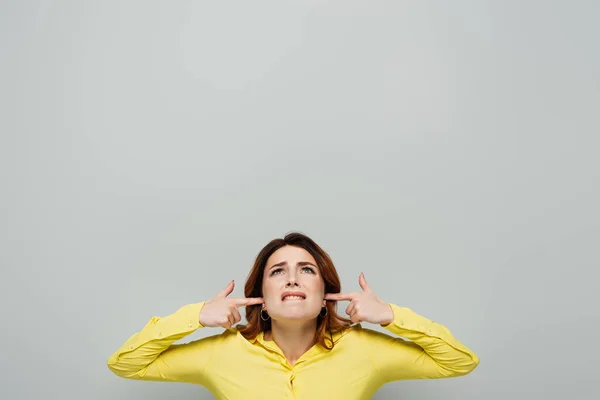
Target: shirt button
401	322
131	347
159	334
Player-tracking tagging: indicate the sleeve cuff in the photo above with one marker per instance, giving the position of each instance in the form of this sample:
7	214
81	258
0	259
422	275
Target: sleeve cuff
183	321
406	320
194	317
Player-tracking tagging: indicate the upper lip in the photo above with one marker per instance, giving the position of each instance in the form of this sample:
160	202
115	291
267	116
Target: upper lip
285	294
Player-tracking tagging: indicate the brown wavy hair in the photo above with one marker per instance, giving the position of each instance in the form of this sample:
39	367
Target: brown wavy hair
326	326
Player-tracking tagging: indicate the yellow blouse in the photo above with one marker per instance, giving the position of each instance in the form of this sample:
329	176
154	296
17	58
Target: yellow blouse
232	367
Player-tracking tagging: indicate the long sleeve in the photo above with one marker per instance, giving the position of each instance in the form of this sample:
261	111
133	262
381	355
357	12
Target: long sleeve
151	355
431	351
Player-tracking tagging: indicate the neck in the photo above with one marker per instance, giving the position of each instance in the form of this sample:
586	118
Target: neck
294	339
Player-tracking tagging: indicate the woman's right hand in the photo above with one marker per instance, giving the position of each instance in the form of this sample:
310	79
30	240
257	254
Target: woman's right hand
222	311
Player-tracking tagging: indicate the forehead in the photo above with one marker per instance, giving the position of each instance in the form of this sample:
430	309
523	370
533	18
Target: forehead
291	254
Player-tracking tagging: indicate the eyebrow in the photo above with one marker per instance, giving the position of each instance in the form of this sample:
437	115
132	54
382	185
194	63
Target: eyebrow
299	264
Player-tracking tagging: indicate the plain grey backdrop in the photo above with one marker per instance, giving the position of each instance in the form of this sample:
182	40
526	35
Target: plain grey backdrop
447	149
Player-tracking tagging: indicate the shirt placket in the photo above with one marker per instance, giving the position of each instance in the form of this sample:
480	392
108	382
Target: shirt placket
290	370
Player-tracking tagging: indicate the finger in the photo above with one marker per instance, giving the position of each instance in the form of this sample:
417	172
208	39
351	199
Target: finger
227	291
231	319
350	308
236	315
355	317
340	296
248	301
225	323
363	282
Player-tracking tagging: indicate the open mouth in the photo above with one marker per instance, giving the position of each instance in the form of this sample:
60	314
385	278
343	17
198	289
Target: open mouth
293	296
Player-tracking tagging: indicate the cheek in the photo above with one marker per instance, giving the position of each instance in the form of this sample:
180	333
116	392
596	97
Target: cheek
316	286
269	291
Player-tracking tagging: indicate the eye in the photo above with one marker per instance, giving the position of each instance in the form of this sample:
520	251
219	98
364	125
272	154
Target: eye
276	270
312	271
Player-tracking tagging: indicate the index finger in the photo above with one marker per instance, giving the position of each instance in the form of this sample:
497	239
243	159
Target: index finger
339	296
249	301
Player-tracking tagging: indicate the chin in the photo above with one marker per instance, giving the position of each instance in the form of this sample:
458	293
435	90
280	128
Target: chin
291	316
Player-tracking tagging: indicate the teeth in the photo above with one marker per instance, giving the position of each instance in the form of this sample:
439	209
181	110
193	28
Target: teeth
293	298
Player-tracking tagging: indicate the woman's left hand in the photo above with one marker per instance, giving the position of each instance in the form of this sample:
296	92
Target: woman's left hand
365	305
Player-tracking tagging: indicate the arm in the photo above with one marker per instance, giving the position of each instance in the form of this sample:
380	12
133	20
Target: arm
151	355
432	351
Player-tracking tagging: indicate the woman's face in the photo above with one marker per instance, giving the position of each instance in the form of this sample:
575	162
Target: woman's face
292	269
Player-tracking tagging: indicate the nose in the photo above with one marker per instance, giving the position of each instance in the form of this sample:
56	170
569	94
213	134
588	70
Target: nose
290	283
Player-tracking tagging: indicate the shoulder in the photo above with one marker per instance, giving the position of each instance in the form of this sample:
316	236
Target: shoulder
226	336
357	332
352	332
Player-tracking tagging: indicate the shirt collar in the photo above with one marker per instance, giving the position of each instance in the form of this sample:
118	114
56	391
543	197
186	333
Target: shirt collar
260	338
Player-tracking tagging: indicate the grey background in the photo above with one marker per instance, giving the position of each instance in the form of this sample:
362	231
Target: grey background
447	149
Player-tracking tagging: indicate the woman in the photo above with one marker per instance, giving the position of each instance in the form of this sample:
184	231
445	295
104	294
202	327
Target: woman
295	345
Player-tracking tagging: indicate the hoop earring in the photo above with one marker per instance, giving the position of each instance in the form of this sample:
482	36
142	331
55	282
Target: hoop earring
263	318
321	313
